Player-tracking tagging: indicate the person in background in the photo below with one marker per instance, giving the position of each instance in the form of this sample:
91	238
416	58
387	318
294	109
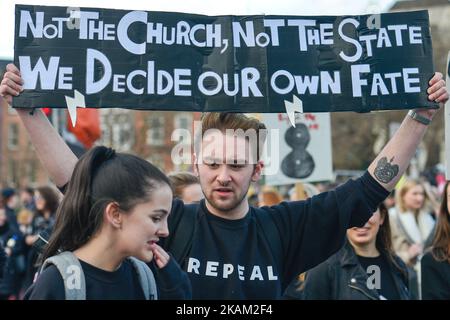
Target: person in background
411	226
2	260
253	199
47	201
27	199
3	256
24	220
269	197
432	205
10	202
186	187
303	191
12	241
435	263
366	268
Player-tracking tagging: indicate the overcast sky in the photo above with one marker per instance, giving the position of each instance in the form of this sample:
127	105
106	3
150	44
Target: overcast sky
233	7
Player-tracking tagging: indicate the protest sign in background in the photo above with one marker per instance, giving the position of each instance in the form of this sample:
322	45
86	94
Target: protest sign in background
298	154
186	62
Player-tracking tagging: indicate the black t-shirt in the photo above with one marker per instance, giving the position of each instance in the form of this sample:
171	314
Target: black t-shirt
122	284
232	259
387	287
229	259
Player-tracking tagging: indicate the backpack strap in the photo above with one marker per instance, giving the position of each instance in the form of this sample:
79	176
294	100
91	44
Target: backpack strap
71	272
272	235
181	242
146	278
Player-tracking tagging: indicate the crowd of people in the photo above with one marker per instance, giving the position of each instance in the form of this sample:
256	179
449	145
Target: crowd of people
24	214
406	237
134	233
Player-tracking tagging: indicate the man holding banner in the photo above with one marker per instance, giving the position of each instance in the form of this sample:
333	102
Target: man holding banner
229	249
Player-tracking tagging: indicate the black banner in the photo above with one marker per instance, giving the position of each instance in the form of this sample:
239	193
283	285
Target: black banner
187	62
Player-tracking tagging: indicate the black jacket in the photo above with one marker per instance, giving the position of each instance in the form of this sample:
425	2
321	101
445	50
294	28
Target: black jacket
14	264
11	217
435	278
2	260
7	232
341	277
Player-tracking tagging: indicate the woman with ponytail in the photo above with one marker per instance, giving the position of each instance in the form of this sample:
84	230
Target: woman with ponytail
115	207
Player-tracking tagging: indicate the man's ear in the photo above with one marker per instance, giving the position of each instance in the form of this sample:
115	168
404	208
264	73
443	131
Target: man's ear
257	171
113	215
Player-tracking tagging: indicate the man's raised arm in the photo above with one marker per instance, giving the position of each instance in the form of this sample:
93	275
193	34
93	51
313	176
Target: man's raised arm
53	152
391	163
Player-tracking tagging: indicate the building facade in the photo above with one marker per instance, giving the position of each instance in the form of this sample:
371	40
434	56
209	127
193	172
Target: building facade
19	165
152	135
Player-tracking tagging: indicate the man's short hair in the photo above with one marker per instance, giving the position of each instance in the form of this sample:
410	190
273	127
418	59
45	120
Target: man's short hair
224	121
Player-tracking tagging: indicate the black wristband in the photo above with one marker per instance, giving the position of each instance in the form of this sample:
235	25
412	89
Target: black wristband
419	118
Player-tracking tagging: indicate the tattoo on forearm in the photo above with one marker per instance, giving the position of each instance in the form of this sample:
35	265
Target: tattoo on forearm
386	171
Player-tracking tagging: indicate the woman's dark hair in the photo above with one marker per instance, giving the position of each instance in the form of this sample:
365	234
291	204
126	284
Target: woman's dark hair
100	177
51	199
441	243
384	240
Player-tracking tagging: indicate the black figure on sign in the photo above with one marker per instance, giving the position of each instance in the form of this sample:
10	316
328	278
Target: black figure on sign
448	68
298	163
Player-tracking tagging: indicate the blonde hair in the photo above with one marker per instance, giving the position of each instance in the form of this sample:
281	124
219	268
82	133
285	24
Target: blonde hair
400	193
308	189
270	197
25	217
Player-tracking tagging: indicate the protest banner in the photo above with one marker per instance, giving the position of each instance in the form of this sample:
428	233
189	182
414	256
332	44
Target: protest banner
108	58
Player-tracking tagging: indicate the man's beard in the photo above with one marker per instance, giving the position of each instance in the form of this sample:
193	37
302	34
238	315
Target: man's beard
225	207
